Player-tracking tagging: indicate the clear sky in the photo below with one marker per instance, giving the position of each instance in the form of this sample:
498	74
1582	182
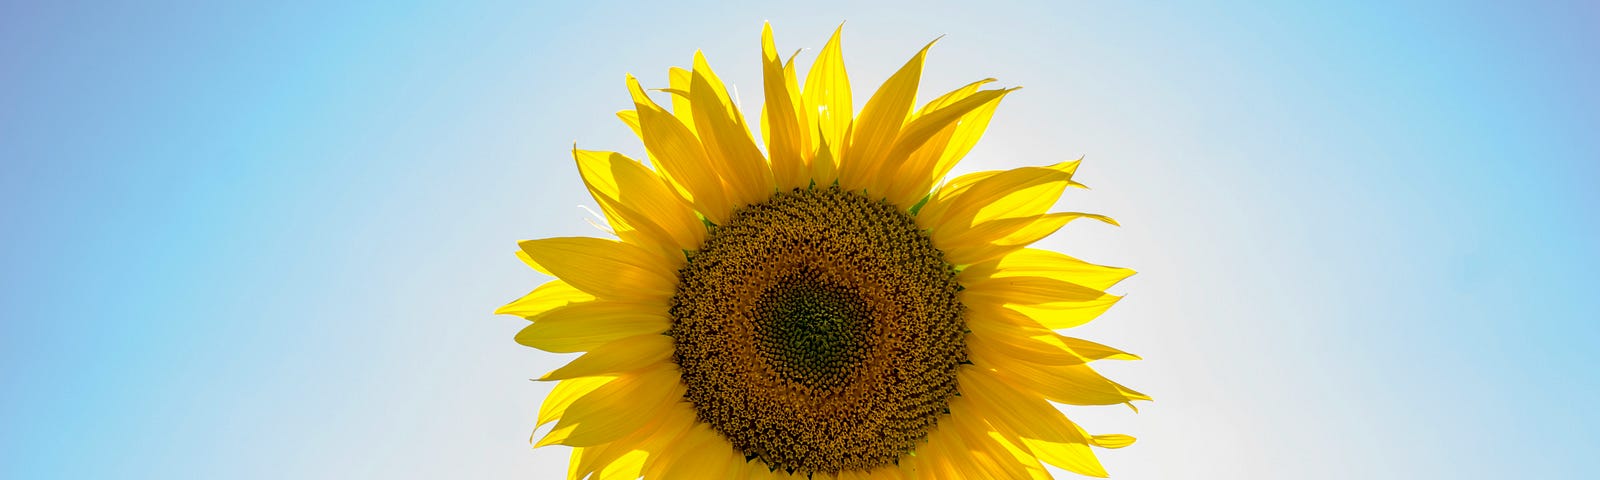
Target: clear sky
265	241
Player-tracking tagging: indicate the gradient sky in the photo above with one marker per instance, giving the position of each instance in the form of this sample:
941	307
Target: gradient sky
265	241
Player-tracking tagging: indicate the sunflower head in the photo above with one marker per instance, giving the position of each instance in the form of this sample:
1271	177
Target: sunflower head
811	304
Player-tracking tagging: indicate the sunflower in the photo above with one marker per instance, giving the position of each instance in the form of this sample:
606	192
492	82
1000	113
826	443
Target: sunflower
818	309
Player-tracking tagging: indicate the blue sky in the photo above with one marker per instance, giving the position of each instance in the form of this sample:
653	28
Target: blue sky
264	241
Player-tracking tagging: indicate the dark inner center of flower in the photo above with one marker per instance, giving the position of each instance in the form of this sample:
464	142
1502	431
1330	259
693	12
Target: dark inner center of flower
811	332
819	331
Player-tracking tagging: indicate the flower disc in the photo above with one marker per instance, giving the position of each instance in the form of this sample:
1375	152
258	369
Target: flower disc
819	331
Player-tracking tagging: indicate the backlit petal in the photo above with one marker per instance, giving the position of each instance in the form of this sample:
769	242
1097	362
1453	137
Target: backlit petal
915	176
919	131
678	79
996	328
1041	428
995	238
615	409
1046	263
583	326
722	130
617	357
564	393
1111	440
874	133
1019	192
553	294
633	195
603	268
1069	384
786	140
679	154
827	91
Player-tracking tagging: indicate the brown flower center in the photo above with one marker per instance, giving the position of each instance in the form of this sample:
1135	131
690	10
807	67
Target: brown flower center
819	331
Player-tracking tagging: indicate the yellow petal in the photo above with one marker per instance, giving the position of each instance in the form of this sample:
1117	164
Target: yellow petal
918	464
888	473
953	96
1010	410
825	166
1020	192
586	461
786	132
584	326
664	445
631	118
705	456
979	217
750	469
873	136
960	184
1094	351
678	79
1023	456
1048	301
678	450
828	93
633	449
626	467
1069	384
728	144
680	155
944	457
603	268
521	255
988	240
633	195
1114	440
572	463
803	111
1046	263
615	409
1047	349
918	132
1042	429
915	176
1073	457
999	329
616	357
982	345
1060	315
553	294
1028	290
967	422
564	393
962	139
